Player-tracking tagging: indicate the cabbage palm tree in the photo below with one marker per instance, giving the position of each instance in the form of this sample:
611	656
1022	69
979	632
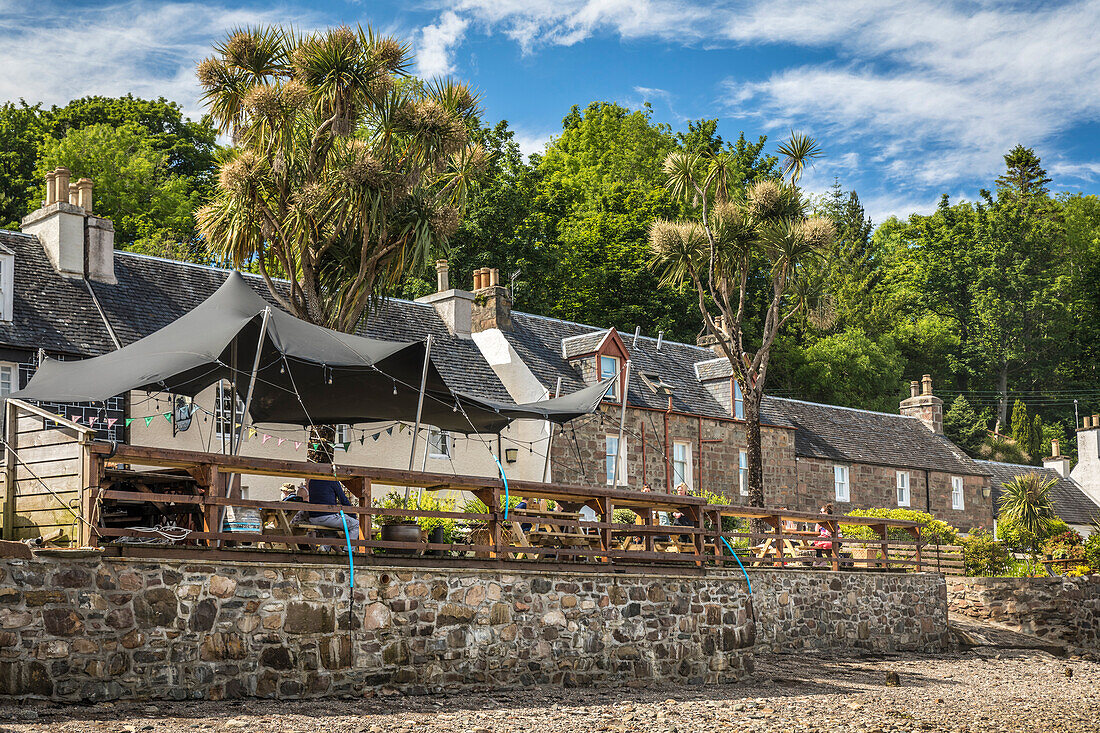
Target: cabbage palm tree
734	237
342	173
1025	501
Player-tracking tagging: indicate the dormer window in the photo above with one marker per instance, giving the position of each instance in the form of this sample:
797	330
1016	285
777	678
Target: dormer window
7	284
609	367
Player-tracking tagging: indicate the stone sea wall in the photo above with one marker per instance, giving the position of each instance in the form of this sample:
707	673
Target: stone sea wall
102	629
1063	610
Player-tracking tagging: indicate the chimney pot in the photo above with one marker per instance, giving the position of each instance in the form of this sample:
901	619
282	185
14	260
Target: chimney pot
74	195
914	388
494	277
442	276
1055	450
61	184
84	194
51	187
926	383
1096	421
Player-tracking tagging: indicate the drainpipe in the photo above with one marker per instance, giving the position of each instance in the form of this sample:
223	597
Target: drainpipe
927	492
668	465
645	472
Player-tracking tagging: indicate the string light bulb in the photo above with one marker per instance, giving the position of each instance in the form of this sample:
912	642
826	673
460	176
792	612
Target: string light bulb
395	388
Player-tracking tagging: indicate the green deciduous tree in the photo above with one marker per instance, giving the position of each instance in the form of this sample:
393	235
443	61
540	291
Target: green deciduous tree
21	132
149	205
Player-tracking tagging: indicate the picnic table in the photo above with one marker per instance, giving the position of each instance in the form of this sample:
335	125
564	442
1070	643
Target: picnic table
791	544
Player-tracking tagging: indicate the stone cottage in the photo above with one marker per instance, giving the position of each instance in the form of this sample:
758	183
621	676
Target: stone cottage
65	291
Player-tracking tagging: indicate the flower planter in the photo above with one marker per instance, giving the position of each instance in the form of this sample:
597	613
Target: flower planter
401	532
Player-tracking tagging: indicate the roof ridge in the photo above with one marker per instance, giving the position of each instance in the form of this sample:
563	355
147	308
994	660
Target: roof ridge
840	407
1017	465
664	341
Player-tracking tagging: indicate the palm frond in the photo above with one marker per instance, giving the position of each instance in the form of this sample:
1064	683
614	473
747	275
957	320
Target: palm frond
798	152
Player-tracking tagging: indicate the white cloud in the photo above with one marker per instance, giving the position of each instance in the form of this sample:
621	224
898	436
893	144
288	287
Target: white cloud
930	92
52	54
437	42
530	142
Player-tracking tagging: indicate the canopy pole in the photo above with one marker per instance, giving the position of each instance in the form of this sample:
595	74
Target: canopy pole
419	411
550	438
622	426
251	382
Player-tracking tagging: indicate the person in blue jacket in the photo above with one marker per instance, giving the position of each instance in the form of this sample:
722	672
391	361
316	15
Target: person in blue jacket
330	491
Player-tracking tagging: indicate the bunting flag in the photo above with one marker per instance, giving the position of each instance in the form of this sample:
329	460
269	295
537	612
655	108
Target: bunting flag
375	437
168	416
265	439
149	420
111	422
92	420
363	438
128	421
345	446
297	444
76	418
389	430
252	432
281	441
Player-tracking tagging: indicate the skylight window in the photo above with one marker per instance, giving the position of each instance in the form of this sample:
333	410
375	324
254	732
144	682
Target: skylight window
658	385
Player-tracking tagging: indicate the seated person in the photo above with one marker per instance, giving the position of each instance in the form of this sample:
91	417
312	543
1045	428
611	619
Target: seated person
679	519
330	491
823	548
293	492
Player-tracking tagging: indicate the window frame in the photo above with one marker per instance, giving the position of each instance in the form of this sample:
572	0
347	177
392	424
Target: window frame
738	401
608	453
440	439
612	393
839	471
903	485
223	392
743	472
960	483
12	371
341	433
688	474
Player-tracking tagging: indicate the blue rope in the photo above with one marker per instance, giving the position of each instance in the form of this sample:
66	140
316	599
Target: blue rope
351	560
501	469
735	557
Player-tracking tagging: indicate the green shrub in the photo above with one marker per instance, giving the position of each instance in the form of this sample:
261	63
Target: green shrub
1064	546
983	556
623	516
1092	552
933	531
1018	539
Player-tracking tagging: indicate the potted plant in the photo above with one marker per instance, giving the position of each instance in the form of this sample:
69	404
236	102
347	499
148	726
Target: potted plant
397	528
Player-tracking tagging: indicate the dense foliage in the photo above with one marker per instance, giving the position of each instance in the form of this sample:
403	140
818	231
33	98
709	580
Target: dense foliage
933	531
151	166
984	556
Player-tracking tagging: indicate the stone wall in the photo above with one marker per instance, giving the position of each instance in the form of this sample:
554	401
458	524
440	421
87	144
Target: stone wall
1063	610
92	629
578	454
871	485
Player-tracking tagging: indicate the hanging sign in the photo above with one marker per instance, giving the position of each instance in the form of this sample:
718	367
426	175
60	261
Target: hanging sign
182	409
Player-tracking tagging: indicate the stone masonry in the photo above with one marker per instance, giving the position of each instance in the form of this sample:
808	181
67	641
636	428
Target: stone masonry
1062	609
104	629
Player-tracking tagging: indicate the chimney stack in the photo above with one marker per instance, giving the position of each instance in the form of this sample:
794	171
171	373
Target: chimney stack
78	243
924	406
1057	461
453	306
492	303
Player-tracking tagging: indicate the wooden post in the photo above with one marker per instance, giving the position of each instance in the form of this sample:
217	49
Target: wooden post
10	433
494	523
608	537
647	520
834	530
91	470
915	531
885	546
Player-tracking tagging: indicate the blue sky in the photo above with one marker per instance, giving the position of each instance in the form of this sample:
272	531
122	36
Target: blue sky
909	98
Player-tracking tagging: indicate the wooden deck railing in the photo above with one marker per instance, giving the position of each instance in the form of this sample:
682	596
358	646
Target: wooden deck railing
124	494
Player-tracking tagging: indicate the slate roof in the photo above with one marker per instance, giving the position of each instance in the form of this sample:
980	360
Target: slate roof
713	369
1071	503
538	341
57	313
582	343
863	436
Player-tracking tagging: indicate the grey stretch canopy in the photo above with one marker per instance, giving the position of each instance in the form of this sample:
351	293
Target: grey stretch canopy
307	374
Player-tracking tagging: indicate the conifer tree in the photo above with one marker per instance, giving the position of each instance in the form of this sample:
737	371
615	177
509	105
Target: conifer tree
1021	426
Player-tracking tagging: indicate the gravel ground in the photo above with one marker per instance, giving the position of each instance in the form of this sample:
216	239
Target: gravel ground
981	690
